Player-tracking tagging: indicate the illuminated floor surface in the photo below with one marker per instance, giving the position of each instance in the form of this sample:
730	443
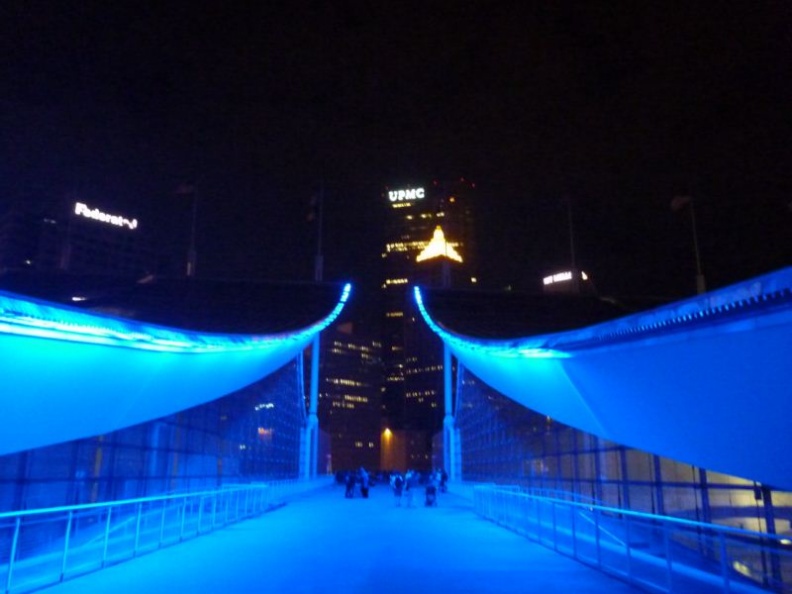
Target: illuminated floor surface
325	543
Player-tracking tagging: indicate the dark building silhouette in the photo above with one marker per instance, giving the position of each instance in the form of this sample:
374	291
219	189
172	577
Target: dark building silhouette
74	235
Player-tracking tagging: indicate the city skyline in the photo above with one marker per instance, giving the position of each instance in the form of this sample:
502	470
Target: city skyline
646	146
613	112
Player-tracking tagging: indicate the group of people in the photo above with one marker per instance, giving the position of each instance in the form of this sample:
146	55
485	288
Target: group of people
404	487
360	477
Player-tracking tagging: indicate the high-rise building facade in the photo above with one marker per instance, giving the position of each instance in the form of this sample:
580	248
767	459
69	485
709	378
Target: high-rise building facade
74	235
429	242
349	397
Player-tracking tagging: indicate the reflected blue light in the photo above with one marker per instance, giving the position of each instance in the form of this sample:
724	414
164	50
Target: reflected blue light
524	348
27	317
704	380
69	374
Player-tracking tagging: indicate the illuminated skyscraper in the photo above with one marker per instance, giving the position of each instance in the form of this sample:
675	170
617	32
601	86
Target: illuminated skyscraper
349	397
429	242
72	235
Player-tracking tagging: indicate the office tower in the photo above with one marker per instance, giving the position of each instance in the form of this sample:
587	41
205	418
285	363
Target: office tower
429	242
74	235
349	397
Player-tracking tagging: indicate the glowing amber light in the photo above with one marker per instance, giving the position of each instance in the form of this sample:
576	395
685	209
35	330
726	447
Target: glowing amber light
438	247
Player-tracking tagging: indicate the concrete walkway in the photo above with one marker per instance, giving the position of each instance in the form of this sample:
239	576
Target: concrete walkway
322	542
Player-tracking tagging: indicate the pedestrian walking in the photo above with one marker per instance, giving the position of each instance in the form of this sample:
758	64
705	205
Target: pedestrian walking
397	484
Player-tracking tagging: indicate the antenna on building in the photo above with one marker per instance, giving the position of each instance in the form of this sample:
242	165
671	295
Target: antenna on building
317	213
572	260
188	190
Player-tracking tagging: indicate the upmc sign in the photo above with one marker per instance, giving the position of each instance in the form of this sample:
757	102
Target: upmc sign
402	195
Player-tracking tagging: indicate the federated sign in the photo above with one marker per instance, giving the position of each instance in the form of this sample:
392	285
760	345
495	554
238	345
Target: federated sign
406	195
83	210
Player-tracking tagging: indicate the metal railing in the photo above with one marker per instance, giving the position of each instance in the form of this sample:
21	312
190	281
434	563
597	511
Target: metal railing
655	553
42	547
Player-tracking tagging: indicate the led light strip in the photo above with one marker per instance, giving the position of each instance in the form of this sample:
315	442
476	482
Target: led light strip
527	348
755	292
26	317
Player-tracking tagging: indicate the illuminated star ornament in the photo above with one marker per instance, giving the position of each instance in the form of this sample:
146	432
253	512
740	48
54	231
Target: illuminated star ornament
438	247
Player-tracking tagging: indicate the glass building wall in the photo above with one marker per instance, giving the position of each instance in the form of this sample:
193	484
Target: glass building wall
501	441
252	434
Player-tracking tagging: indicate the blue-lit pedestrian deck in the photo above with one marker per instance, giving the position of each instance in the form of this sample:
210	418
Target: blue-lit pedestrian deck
322	542
704	381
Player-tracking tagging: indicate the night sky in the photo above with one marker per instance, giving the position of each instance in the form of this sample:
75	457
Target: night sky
612	108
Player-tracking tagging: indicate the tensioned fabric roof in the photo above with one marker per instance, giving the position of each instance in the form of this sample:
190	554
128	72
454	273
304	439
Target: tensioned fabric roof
704	380
80	357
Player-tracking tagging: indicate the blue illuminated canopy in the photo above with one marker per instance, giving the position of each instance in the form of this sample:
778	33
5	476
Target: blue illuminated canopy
69	373
704	380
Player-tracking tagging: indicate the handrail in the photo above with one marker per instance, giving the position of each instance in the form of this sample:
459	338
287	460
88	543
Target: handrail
647	516
120	502
41	547
659	552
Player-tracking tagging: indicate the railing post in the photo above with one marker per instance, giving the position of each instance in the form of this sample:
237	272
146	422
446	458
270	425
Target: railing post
64	561
12	555
137	528
106	535
200	514
627	548
162	523
184	512
724	559
597	536
574	532
669	567
555	528
214	510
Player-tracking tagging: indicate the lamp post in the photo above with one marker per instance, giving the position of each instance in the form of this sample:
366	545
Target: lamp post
319	258
189	191
191	253
573	262
678	203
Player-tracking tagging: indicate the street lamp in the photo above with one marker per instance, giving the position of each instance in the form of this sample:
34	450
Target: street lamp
678	203
575	273
187	190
